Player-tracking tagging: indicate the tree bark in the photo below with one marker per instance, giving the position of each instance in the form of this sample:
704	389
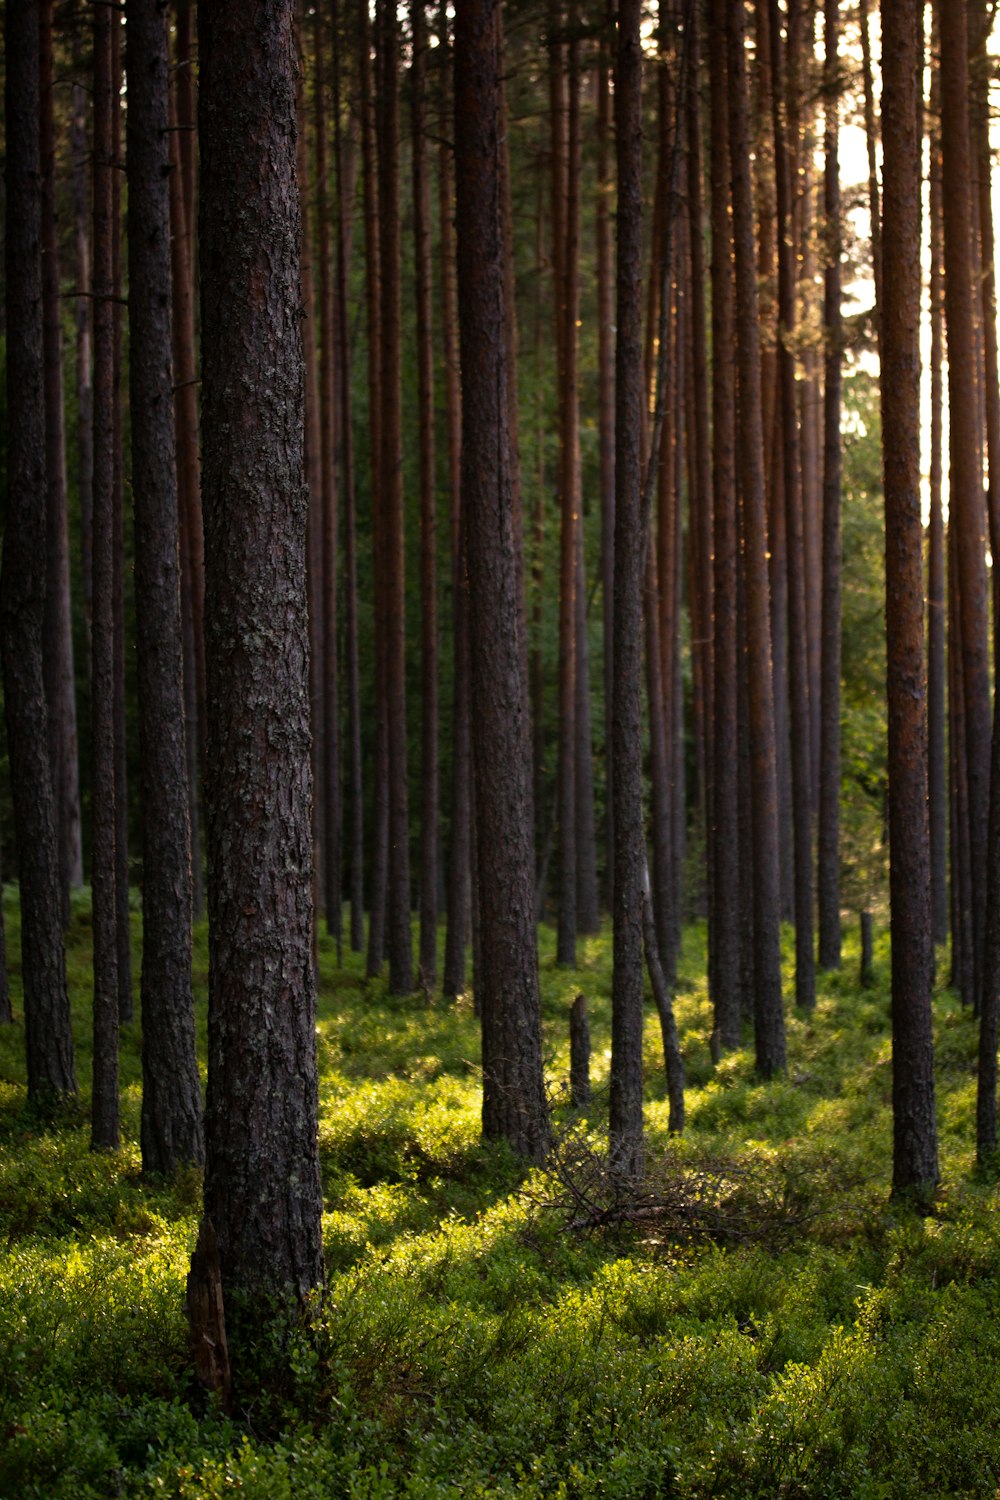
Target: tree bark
262	1187
171	1090
915	1167
48	1034
507	982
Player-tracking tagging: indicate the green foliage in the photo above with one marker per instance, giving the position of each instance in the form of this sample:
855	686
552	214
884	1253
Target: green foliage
783	1330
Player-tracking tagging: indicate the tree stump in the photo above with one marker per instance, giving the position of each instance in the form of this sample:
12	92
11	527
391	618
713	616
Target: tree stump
206	1316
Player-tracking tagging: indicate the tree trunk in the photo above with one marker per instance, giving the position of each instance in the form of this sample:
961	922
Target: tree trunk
262	1187
171	1090
104	872
48	1034
82	321
606	427
769	1022
428	589
915	1167
626	1130
937	764
514	1106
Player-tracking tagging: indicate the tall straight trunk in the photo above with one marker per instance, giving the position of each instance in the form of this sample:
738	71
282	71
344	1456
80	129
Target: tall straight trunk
126	1004
330	797
171	1090
507	982
379	861
980	126
606	428
60	684
658	579
48	1032
725	940
565	229
966	504
915	1166
428	589
186	442
769	1022
460	851
962	946
937	764
798	631
6	1010
828	844
353	670
262	1186
398	937
313	474
625	1124
82	312
104	872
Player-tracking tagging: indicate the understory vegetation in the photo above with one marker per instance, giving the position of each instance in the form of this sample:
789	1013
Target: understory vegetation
756	1320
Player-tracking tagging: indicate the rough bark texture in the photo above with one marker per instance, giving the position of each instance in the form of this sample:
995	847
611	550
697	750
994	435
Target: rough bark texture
626	1137
725	941
104	874
828	844
171	1090
262	1188
48	1037
937	763
915	1166
769	1023
82	319
507	980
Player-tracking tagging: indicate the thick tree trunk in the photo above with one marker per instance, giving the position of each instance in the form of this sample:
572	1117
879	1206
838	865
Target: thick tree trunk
915	1167
514	1106
769	1022
48	1034
626	1130
262	1187
171	1090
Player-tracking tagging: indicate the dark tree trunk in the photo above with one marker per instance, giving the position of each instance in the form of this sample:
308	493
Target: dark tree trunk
353	669
171	1091
937	764
769	1021
82	320
398	937
262	1187
915	1167
626	1131
428	590
48	1035
59	683
967	504
828	843
507	982
871	139
798	631
104	873
725	940
606	429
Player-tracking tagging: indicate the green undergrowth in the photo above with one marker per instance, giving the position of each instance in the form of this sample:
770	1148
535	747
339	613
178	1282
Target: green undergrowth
758	1321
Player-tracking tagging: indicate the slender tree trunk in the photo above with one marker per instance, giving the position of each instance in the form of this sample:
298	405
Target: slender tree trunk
626	1131
60	684
769	1022
507	982
915	1167
48	1033
82	320
829	770
353	670
966	504
428	590
398	938
104	873
798	634
606	427
937	764
262	1187
171	1090
871	139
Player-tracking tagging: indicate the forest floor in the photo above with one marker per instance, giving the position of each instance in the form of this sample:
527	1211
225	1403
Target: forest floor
758	1320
